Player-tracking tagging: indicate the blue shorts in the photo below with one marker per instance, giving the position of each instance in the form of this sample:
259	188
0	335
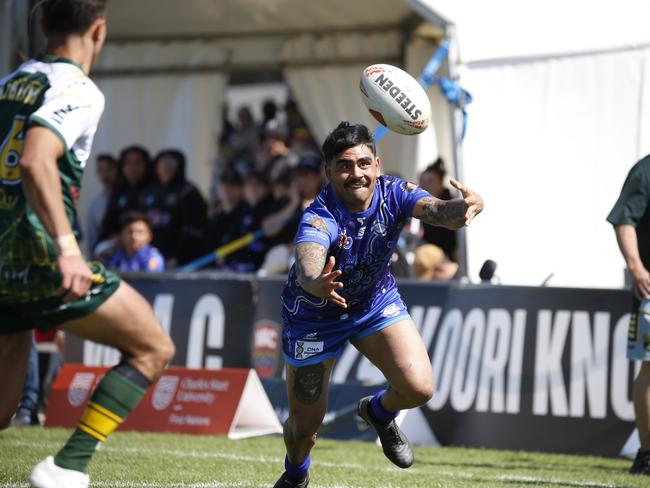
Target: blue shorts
306	341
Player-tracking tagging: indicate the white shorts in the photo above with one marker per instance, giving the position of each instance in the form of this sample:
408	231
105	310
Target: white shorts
638	335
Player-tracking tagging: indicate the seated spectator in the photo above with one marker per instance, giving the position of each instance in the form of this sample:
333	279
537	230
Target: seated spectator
176	210
257	193
135	252
430	263
300	138
106	169
279	157
231	220
432	180
294	191
135	172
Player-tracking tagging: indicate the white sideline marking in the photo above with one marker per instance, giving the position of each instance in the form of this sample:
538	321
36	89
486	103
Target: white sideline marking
266	459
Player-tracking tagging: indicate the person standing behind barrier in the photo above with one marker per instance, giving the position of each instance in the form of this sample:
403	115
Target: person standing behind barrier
135	172
432	180
107	171
176	210
340	289
47	125
631	220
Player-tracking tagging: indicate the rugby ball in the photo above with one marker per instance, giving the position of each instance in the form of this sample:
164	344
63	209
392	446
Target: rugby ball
395	99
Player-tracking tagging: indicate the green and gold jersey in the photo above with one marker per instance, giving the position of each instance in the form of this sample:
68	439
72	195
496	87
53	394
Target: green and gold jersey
57	94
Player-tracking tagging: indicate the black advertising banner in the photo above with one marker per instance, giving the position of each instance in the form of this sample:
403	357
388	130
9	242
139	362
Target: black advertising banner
208	317
515	367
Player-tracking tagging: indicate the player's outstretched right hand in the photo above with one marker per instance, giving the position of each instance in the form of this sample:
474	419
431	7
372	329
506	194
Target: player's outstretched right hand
76	277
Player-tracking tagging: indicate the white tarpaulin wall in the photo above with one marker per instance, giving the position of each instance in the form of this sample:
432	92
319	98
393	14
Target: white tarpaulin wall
549	145
560	114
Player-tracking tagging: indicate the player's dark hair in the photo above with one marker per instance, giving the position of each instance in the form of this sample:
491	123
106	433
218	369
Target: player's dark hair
438	167
346	136
71	16
128	218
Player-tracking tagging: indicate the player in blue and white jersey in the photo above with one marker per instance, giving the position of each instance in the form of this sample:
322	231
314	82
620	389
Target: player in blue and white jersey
340	289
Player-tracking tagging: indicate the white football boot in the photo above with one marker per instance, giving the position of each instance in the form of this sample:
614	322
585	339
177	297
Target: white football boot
46	474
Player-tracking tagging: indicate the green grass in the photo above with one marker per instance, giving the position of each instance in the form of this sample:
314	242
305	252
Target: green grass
157	460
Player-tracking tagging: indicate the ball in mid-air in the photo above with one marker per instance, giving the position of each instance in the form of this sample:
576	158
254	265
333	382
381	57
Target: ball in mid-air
395	99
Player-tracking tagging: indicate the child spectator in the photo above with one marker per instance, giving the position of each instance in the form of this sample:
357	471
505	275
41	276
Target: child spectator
135	252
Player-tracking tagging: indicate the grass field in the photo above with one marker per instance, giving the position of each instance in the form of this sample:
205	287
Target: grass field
156	460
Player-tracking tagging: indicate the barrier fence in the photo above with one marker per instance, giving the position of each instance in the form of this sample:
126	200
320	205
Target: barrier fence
516	367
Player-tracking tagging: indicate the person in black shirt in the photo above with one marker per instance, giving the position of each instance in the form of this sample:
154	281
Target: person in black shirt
176	210
432	180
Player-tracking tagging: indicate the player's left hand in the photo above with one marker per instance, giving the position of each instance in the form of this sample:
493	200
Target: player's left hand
473	201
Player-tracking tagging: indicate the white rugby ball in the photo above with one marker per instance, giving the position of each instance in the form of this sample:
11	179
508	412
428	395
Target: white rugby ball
395	99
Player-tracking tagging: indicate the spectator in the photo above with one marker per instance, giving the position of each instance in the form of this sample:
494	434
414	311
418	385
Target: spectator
257	193
244	141
269	115
135	252
430	263
278	155
300	138
232	219
176	210
107	171
432	180
135	172
293	191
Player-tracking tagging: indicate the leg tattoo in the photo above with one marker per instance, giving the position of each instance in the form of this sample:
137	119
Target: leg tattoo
308	383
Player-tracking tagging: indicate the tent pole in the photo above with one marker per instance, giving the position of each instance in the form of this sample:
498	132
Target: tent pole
450	72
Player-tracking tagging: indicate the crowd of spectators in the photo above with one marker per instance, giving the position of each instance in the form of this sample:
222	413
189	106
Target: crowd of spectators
149	217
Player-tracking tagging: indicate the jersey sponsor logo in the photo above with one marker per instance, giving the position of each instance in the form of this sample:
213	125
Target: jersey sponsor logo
80	387
318	223
391	310
380	228
306	349
59	115
164	392
22	90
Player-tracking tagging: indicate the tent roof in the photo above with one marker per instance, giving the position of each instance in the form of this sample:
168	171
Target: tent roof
147	19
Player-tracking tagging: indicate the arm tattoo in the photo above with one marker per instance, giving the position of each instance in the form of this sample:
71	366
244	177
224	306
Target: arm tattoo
443	213
310	261
308	383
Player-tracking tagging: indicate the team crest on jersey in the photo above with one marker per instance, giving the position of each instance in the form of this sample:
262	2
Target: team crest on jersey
164	392
345	241
80	387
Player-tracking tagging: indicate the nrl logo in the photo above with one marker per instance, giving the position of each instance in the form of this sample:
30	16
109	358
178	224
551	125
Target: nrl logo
80	387
164	392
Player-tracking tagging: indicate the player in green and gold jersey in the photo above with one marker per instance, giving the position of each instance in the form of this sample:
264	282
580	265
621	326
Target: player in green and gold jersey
49	111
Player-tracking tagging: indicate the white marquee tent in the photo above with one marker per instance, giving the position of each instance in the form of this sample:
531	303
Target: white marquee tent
560	106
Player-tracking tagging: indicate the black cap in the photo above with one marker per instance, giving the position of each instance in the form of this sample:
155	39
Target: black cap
311	162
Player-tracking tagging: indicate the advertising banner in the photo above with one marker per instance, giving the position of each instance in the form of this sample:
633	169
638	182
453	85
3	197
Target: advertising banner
193	401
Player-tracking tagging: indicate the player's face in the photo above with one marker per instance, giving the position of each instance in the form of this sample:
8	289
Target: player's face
352	175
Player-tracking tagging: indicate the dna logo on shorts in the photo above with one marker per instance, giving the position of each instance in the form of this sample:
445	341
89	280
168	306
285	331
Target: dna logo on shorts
306	349
80	387
164	392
